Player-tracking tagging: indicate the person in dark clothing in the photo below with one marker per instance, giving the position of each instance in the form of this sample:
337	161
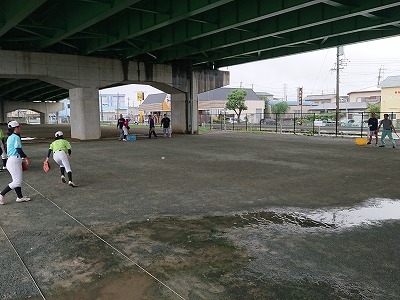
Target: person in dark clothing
373	129
120	126
152	128
165	124
388	128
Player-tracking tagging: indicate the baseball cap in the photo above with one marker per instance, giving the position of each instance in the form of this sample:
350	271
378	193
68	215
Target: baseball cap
58	134
13	124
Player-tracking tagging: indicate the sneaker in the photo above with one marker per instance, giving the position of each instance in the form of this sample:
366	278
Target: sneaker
369	143
23	199
394	146
63	179
381	145
70	183
4	168
2	200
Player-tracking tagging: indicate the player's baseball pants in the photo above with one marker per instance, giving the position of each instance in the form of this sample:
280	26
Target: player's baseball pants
14	166
61	158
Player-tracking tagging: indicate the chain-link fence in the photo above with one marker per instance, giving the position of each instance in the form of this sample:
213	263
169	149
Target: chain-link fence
354	123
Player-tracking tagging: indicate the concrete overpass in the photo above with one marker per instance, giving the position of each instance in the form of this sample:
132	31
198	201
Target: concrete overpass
51	50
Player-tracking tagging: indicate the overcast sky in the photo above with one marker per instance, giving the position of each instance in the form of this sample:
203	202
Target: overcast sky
313	71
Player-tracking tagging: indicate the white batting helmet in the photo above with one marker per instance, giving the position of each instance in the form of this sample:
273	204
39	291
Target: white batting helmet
58	134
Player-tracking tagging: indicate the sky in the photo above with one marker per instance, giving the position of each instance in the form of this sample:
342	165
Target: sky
314	71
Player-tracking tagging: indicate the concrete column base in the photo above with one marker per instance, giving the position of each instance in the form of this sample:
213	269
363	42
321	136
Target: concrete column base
85	113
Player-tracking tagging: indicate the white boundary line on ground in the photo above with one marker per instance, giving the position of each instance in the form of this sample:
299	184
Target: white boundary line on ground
23	263
105	242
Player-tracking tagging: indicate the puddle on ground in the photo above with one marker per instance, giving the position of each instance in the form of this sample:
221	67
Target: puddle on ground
371	212
241	256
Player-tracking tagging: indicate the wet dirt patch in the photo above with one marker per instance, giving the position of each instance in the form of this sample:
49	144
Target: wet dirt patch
261	255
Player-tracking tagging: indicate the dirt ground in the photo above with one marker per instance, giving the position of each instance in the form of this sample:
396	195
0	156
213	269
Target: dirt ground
222	215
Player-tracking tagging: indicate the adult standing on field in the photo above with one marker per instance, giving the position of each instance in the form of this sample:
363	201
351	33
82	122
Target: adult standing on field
14	162
152	127
166	124
387	130
120	126
373	129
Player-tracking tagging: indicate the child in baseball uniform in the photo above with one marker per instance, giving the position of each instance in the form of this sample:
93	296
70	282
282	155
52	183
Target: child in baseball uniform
15	156
61	149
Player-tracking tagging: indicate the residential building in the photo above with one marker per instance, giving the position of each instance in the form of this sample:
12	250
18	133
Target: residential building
321	99
213	103
368	95
156	105
111	106
354	105
390	96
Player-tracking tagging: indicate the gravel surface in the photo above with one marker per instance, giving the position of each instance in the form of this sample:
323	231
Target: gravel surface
214	174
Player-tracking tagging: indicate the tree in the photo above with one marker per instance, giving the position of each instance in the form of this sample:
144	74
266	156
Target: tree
280	108
373	108
236	102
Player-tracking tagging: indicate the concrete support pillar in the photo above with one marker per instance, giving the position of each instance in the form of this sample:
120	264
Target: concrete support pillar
184	109
42	117
179	113
85	113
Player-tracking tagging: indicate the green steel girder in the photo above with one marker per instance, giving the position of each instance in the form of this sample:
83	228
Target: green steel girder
15	90
219	20
50	93
314	39
309	18
324	32
302	48
138	22
12	12
91	14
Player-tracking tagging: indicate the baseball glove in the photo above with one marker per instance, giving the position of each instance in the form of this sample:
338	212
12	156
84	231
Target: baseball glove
24	166
46	166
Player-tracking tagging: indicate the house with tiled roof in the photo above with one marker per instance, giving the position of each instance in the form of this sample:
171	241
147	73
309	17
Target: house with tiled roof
156	105
213	103
209	103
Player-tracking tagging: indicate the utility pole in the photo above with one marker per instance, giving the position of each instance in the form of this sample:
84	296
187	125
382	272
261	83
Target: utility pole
380	74
339	65
285	92
337	86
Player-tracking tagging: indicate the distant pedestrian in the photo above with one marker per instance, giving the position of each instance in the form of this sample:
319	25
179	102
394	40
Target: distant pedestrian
387	130
120	125
152	128
61	149
373	128
3	150
16	157
166	124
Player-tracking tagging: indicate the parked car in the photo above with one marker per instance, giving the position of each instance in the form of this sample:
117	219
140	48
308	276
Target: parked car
351	123
268	121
